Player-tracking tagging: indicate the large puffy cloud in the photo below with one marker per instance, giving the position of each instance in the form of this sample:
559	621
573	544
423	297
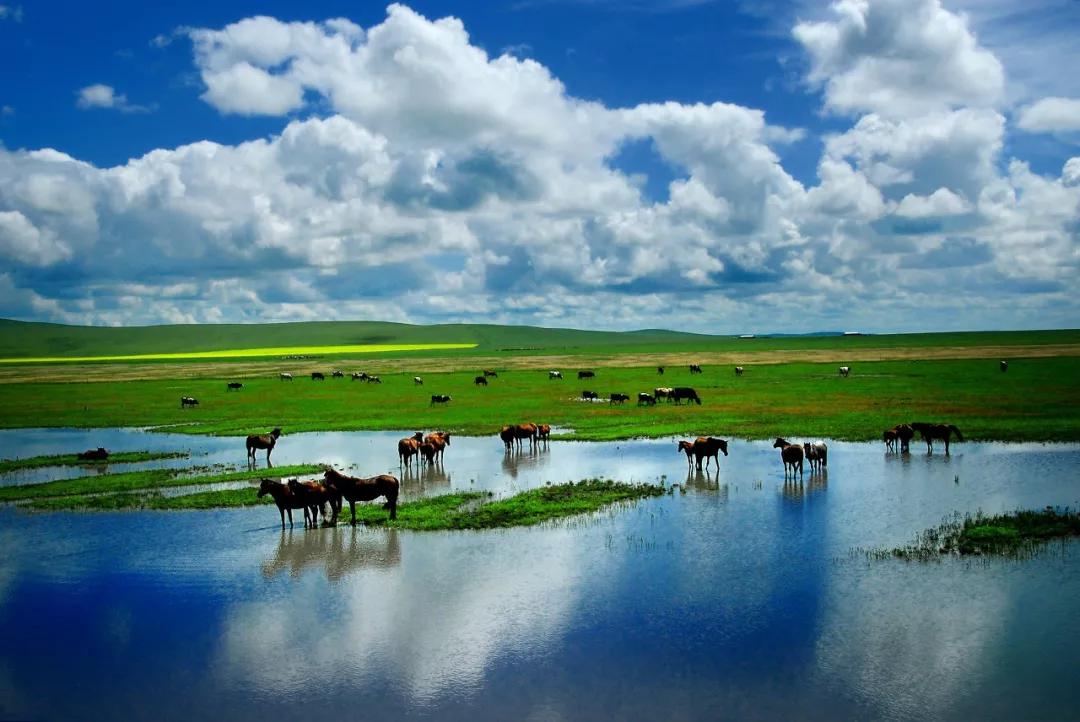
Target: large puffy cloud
443	184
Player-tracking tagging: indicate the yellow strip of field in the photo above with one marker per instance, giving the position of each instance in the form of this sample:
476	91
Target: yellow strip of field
250	352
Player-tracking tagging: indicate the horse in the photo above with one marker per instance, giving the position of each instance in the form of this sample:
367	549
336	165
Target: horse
791	455
285	499
417	381
890	437
266	441
552	375
188	401
708	447
688	448
695	369
439	440
409	447
427	452
816	454
354	489
318	376
684	392
618	398
660	370
645	399
585	374
1003	365
936	431
525	431
543	432
314	496
480	380
507	435
589	396
98	454
738	370
234	386
285	376
492	374
845	371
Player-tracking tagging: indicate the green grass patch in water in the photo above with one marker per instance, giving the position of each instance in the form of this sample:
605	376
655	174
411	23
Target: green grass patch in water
1012	534
120	457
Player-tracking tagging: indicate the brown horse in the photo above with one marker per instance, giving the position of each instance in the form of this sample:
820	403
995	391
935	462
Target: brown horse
543	432
439	440
314	497
936	431
687	447
99	454
265	441
709	447
791	454
525	431
285	499
902	433
408	448
354	489
817	455
507	435
890	437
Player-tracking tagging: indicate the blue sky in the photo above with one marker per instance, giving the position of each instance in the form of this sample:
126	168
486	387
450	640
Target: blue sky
887	165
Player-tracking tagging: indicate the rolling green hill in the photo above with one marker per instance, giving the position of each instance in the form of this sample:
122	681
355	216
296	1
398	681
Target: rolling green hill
24	339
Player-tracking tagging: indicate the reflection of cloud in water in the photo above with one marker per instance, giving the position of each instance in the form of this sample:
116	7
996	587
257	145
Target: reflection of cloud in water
461	606
913	657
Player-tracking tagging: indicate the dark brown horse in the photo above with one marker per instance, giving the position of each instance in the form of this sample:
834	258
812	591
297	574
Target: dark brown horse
507	436
98	454
265	441
285	499
936	431
902	433
353	489
687	447
791	454
817	455
408	448
438	440
709	447
315	497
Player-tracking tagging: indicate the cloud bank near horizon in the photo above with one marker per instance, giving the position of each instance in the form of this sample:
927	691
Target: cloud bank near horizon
417	178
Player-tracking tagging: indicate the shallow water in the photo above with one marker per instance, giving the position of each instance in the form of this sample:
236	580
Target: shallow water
739	599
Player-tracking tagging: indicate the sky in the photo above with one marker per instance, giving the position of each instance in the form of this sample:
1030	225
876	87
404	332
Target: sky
720	166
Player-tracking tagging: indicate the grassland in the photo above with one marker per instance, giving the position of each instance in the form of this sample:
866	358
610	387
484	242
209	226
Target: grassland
241	353
122	457
461	510
790	386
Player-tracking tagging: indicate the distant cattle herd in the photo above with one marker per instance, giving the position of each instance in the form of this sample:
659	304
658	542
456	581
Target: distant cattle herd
429	449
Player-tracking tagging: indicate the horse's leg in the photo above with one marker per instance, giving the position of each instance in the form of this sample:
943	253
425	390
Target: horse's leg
281	510
268	464
946	444
352	508
290	517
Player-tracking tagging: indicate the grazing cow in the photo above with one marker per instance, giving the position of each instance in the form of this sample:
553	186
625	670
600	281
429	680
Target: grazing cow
338	374
285	377
1004	365
936	431
695	368
98	454
738	370
619	398
586	374
284	497
644	399
265	441
660	370
817	455
663	392
554	375
408	448
359	376
439	440
234	386
589	396
507	436
417	381
492	374
188	401
480	381
317	376
791	455
354	489
845	371
543	432
372	379
684	392
439	399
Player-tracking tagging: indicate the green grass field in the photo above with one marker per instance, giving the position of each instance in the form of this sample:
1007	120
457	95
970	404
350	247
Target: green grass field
790	387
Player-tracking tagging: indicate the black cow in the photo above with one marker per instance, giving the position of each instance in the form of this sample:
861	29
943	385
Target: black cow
480	381
98	454
646	399
619	398
317	376
684	392
585	374
338	374
695	368
439	399
589	395
188	401
1004	366
234	386
489	372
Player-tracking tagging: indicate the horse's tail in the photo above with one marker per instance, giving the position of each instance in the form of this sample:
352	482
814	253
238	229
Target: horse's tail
391	499
959	436
824	455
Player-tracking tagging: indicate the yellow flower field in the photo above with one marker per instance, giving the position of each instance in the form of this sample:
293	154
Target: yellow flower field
251	352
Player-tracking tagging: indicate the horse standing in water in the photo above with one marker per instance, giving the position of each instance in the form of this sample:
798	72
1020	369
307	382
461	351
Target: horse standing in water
936	431
791	455
354	489
817	455
285	499
265	441
314	497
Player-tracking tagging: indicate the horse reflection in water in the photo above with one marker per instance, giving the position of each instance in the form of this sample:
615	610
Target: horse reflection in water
796	489
515	460
700	480
338	550
429	477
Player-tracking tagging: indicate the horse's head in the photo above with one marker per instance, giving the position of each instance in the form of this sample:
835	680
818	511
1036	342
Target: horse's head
780	443
723	445
419	436
276	432
446	438
685	446
266	486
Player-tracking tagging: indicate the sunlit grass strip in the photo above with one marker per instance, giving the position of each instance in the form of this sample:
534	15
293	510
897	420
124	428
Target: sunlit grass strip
251	352
1005	534
121	457
139	480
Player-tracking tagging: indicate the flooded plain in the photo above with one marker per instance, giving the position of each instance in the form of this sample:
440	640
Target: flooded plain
744	597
